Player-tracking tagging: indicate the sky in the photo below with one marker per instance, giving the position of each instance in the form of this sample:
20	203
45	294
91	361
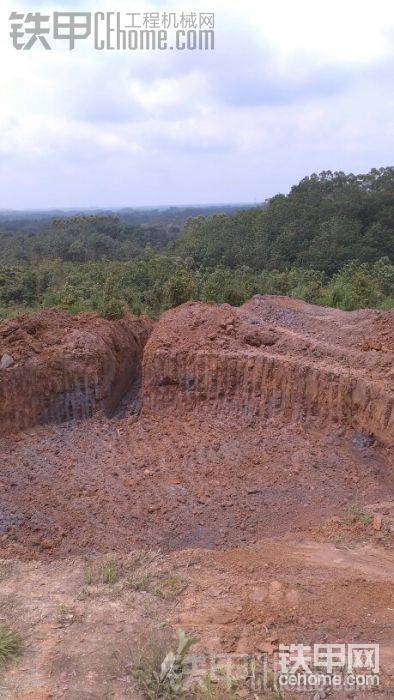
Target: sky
292	87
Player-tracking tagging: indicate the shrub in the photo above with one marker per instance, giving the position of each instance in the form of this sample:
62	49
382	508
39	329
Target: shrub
10	644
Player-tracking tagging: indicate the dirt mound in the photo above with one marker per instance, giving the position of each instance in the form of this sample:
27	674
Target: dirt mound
275	356
56	367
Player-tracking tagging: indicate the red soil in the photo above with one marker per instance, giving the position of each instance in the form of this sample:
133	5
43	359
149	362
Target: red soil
256	421
66	367
259	459
275	356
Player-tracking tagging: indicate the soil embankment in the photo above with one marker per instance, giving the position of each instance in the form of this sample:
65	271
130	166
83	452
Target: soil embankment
58	367
272	357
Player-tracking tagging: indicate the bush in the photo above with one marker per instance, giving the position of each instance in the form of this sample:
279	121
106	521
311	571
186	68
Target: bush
10	644
112	309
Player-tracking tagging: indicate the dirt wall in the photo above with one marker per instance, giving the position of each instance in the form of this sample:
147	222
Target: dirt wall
59	367
274	357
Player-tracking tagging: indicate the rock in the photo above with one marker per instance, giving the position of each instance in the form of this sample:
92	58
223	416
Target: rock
361	440
252	339
267	648
268	338
6	361
273	639
258	338
372	344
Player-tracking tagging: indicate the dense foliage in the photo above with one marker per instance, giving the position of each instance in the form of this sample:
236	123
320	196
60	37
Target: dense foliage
81	237
325	221
329	241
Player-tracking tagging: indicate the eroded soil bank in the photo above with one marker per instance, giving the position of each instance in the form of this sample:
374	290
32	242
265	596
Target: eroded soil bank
58	367
275	356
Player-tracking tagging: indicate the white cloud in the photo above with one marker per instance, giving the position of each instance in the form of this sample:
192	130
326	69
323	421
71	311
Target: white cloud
291	87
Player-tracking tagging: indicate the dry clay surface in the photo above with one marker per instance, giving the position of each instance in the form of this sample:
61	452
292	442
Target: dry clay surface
82	637
248	503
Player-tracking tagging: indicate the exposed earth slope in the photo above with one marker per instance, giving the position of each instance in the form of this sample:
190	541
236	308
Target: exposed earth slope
56	367
275	356
247	502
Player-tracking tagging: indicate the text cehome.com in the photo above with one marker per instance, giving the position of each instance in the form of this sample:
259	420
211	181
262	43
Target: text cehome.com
150	39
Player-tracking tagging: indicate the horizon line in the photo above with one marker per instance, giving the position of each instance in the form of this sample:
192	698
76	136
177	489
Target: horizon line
133	207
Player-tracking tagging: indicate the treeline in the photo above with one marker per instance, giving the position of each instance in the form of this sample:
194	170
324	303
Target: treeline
325	221
329	241
83	239
154	282
102	235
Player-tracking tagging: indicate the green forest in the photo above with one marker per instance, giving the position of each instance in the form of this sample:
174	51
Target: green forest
329	241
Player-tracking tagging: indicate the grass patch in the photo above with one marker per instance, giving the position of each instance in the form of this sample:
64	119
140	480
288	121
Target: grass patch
10	644
106	572
141	582
356	514
169	586
160	670
109	573
83	594
89	577
66	615
163	585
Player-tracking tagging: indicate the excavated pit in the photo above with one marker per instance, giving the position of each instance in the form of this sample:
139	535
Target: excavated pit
239	504
255	422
